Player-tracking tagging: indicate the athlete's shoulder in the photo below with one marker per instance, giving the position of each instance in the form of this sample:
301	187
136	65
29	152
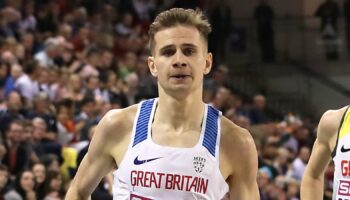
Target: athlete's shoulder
330	122
117	122
235	134
333	115
121	115
237	146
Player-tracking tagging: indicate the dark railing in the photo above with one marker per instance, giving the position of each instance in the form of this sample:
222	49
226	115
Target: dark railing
321	78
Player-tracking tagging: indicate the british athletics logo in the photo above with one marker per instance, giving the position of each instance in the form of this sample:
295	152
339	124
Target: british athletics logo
198	164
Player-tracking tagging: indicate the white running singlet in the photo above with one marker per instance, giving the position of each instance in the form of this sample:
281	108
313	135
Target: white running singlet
341	159
151	171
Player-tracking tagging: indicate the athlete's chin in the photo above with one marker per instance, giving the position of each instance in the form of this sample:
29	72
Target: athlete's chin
180	91
180	86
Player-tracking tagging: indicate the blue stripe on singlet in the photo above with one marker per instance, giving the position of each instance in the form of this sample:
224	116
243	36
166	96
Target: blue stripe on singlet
142	121
211	130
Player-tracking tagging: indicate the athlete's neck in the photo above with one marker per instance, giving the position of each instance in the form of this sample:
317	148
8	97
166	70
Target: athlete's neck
181	114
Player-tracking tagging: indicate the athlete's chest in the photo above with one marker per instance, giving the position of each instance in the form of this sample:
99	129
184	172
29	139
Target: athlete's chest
166	165
165	158
149	166
185	139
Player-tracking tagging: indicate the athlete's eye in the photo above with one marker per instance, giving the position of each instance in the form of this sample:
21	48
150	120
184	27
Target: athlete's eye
189	51
168	52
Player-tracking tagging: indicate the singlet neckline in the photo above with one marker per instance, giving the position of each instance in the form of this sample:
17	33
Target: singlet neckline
199	141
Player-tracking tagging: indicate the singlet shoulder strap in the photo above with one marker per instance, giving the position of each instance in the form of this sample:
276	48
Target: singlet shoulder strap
343	129
212	127
142	123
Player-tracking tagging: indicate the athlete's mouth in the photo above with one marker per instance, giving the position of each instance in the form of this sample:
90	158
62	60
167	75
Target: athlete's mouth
179	76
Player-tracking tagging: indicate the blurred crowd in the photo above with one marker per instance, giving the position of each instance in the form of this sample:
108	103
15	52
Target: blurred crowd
65	63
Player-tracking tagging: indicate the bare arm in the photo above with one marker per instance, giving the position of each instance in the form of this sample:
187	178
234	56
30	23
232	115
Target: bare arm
96	163
242	182
313	179
312	184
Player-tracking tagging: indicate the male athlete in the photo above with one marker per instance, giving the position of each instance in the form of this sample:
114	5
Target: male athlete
175	146
333	141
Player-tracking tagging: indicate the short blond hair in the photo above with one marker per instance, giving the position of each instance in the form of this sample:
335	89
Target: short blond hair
179	16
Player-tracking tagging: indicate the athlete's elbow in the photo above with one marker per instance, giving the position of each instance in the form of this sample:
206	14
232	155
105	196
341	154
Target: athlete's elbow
310	180
74	193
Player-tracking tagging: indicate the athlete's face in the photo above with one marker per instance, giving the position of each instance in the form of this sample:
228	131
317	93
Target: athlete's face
180	59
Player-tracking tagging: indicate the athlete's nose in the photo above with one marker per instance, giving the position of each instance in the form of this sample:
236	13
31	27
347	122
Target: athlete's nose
179	60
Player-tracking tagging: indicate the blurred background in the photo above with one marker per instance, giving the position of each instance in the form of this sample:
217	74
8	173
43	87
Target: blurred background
278	65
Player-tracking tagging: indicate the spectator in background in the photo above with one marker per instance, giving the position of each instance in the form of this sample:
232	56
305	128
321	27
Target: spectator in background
293	190
42	109
128	65
221	97
264	16
258	112
4	77
282	161
115	91
39	172
18	156
27	39
4	180
11	112
131	89
9	22
44	80
147	83
109	62
329	13
28	21
23	187
26	80
54	186
47	23
51	162
8	56
92	87
65	123
144	10
268	155
221	21
263	184
46	57
219	77
43	143
74	90
61	88
124	27
346	10
82	39
89	66
86	118
299	164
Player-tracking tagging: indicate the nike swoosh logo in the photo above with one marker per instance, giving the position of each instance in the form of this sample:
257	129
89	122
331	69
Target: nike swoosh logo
140	162
343	150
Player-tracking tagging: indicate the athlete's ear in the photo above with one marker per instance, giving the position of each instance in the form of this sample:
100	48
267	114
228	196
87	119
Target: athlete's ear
208	63
152	66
